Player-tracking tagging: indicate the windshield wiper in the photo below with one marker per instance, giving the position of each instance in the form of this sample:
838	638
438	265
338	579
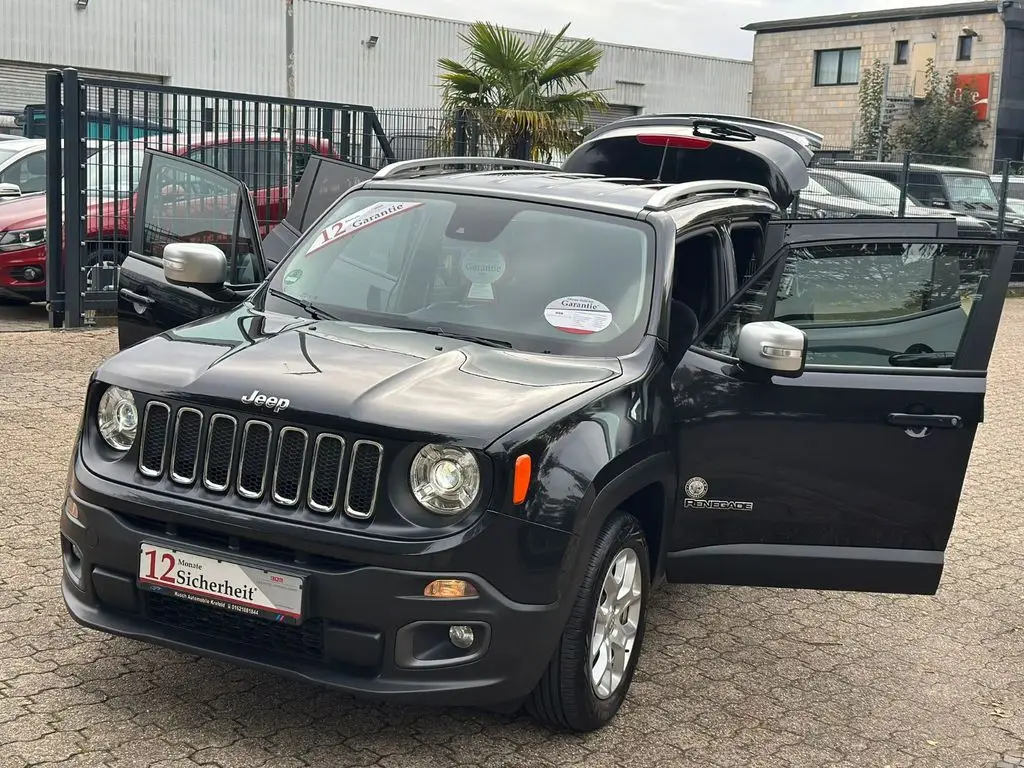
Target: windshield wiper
435	330
308	307
922	359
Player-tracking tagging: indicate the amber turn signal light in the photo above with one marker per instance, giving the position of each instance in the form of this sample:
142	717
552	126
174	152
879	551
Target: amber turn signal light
521	480
449	588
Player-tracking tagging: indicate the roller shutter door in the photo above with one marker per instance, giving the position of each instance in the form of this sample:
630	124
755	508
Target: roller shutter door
24	83
596	118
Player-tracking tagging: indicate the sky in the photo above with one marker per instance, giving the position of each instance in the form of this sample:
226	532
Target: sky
709	27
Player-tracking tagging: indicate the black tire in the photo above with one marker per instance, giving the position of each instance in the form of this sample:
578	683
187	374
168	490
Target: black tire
565	698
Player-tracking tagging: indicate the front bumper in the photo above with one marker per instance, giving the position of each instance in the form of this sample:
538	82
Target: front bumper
367	630
14	268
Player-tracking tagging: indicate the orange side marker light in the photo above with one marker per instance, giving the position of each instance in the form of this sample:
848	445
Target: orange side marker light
521	481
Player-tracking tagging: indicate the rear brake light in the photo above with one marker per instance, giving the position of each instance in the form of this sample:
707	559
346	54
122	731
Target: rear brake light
679	142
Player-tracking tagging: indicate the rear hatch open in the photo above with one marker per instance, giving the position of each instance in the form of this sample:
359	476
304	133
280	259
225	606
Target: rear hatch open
673	149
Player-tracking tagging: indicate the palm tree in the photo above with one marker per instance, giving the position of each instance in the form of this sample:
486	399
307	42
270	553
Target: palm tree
530	99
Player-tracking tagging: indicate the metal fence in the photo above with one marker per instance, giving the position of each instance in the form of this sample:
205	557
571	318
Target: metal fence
98	130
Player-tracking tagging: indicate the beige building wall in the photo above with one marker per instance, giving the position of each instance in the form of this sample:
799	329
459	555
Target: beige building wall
784	89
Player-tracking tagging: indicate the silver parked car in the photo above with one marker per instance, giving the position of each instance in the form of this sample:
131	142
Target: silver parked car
886	195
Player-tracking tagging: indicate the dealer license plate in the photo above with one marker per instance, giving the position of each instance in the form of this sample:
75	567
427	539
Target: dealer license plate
221	584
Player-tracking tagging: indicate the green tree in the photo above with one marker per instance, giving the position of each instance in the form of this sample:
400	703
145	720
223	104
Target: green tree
874	126
529	99
943	124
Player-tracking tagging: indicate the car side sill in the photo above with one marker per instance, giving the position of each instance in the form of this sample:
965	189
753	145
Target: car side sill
853	569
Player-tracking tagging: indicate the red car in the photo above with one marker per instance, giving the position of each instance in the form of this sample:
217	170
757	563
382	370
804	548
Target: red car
112	177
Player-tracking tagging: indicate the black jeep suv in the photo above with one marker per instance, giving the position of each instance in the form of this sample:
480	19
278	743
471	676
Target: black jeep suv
442	452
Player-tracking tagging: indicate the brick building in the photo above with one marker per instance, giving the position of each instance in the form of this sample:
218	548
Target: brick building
807	71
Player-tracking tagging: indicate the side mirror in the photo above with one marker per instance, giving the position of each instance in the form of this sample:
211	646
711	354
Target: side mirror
195	264
10	190
772	349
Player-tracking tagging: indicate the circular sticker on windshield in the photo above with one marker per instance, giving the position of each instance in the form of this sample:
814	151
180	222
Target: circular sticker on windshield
483	266
578	314
292	277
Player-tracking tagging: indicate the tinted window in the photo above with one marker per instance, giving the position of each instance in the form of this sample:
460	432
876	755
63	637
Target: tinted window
29	173
627	157
926	187
867	304
542	277
333	179
188	204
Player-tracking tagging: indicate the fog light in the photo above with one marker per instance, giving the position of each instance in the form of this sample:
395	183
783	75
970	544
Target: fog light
33	274
461	636
447	588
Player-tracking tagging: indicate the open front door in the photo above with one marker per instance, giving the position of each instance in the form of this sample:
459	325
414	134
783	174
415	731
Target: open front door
847	476
182	201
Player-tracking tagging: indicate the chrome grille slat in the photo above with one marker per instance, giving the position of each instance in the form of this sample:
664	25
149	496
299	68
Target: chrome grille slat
361	470
252	433
186	446
215	483
323	449
154	436
285	474
288	466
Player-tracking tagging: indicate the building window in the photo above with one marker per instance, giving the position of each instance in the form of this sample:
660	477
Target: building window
964	47
902	55
840	66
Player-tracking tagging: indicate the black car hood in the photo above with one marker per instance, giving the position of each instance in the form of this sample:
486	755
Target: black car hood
369	379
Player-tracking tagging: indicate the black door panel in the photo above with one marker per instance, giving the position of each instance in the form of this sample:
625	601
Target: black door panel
184	201
849	476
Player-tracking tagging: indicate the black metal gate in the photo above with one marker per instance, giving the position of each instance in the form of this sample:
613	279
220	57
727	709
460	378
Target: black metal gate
97	131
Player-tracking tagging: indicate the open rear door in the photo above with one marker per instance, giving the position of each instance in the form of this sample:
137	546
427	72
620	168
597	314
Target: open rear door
324	181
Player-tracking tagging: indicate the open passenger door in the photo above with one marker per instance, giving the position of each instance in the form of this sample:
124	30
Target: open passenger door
182	201
830	452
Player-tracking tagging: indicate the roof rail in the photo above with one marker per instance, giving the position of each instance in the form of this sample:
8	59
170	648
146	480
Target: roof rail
669	196
409	167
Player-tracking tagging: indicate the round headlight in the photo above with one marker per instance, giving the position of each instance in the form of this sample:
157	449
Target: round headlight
444	479
118	418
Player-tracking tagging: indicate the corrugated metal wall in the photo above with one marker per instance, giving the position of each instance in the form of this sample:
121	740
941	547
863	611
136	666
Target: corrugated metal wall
25	83
239	45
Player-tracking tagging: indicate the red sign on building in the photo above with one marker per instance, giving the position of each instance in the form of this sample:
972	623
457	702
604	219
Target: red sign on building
980	84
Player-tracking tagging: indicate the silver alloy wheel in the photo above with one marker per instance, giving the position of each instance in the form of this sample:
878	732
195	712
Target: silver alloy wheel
616	623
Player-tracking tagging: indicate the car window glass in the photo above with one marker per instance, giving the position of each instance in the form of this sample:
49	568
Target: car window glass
499	266
747	247
29	173
926	187
247	267
866	304
188	204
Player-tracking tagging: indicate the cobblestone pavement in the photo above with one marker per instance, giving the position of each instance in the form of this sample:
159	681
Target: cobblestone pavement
729	677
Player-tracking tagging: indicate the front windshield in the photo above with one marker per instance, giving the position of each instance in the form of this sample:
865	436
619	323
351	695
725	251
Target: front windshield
537	277
975	190
114	170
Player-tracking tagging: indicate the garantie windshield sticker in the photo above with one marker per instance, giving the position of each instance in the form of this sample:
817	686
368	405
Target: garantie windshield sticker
578	314
482	267
361	219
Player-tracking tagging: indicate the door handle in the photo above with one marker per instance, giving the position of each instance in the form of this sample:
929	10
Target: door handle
137	298
933	420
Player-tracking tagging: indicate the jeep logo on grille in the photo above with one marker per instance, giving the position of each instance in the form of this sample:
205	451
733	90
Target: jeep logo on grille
277	404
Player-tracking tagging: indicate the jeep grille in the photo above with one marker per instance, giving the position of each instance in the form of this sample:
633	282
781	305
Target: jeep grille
289	465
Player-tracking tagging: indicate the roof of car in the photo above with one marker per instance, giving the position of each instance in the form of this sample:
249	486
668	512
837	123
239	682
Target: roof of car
850	164
619	196
841	173
21	144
